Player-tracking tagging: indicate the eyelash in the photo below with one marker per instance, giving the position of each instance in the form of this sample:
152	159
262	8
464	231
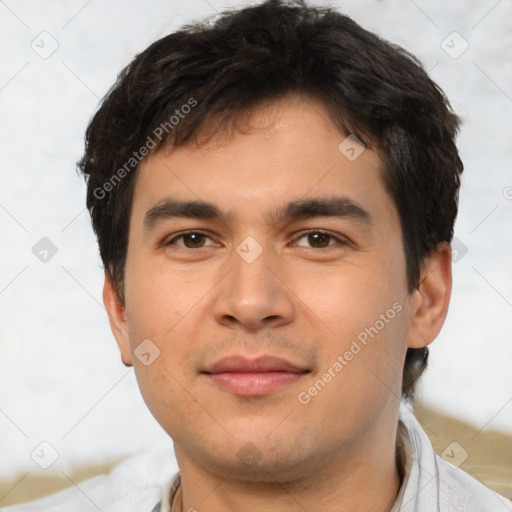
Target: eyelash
337	239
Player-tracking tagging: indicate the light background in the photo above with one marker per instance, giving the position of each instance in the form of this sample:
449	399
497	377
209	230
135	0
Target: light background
61	378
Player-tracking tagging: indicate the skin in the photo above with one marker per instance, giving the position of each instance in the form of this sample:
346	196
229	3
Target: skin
300	300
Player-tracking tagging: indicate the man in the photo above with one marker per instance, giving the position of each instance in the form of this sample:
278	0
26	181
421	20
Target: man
274	195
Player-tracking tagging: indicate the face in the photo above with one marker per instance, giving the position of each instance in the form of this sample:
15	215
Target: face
267	271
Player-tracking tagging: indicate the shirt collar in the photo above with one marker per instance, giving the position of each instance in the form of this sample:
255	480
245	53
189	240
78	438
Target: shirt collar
168	495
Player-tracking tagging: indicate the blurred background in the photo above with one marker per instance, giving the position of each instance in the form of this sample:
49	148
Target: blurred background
62	382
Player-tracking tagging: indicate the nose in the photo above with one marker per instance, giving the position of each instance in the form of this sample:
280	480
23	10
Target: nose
252	296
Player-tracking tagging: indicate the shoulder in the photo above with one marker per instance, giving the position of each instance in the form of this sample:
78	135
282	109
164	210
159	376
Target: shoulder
436	485
457	487
134	485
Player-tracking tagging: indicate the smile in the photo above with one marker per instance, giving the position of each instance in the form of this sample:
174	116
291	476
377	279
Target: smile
254	377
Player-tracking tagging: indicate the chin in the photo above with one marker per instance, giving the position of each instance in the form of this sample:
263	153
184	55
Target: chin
248	461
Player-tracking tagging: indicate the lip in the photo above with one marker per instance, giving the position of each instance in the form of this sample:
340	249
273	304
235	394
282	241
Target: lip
259	376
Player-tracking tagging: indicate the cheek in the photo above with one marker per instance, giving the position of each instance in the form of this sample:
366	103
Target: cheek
359	377
167	398
349	299
365	309
156	299
162	312
167	308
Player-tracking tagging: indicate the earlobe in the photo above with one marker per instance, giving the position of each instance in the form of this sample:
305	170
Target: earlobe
117	320
432	297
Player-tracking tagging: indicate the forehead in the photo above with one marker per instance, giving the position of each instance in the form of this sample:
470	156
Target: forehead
285	151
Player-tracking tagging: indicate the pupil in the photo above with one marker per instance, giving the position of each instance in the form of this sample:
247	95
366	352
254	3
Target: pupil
193	240
319	239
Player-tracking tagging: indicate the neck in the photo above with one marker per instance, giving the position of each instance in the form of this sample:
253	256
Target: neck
359	478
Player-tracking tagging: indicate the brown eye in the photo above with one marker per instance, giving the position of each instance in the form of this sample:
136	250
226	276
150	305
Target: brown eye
318	240
192	240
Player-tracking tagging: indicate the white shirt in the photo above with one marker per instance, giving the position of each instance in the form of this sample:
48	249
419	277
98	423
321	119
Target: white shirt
430	485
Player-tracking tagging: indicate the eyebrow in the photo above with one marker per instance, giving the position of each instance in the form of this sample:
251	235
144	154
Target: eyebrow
341	207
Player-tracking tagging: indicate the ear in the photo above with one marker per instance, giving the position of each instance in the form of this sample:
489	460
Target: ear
117	320
431	299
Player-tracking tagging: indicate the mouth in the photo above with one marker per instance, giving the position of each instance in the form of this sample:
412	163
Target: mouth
264	375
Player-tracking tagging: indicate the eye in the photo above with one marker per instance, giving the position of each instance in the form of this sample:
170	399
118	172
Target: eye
190	240
318	240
